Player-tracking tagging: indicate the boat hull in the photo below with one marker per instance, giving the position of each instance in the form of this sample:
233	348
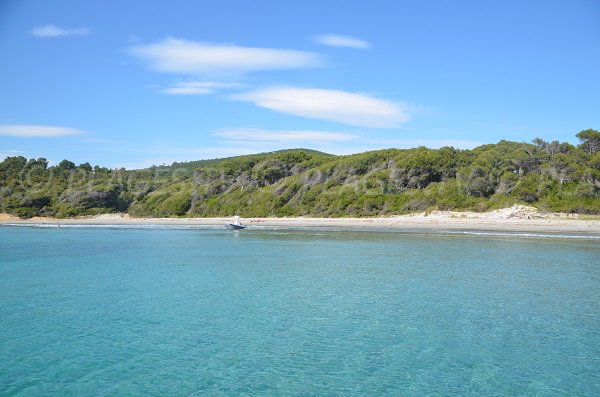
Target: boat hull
231	226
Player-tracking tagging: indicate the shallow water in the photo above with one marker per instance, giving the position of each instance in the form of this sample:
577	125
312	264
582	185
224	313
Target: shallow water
126	311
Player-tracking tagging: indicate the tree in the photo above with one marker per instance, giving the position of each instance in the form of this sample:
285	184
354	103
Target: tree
551	175
86	167
590	140
66	165
559	167
270	171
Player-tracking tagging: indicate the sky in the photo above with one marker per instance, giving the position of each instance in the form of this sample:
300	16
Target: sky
136	83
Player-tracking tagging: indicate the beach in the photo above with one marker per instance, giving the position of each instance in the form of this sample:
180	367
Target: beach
515	219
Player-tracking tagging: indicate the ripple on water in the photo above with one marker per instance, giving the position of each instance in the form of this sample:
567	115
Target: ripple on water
150	311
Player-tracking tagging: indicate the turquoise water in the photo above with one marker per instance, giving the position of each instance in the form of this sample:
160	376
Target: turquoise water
168	312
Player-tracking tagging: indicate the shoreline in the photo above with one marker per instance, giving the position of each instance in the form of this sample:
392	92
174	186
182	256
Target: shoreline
500	220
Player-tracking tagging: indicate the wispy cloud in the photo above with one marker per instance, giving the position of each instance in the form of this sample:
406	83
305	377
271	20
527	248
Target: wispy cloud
338	40
289	136
332	105
430	143
52	31
37	131
198	87
196	58
10	153
168	155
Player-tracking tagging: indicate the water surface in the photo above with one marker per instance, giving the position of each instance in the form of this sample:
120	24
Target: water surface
168	312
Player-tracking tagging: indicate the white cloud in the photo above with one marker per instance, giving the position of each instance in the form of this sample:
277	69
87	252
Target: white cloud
51	31
37	131
332	105
297	136
197	87
337	40
196	58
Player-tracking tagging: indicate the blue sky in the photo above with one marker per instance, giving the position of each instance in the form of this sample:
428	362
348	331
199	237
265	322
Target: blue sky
135	83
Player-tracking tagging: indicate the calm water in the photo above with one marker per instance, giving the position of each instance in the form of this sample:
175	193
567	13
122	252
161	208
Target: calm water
155	312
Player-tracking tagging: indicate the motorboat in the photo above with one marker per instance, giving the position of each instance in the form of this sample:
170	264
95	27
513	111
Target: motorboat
236	224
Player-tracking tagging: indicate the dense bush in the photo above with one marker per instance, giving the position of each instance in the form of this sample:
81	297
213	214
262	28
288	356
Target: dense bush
553	176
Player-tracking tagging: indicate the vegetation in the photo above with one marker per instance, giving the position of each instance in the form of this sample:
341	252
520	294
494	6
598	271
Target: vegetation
552	176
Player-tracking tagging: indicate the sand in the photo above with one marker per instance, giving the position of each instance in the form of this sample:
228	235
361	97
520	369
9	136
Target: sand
8	218
516	218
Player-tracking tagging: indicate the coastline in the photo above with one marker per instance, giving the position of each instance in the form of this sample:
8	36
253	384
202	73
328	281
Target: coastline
514	219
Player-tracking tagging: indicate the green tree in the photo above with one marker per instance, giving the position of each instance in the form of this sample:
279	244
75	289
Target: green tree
66	165
590	140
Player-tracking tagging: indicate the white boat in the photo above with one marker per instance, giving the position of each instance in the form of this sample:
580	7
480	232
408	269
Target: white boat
236	224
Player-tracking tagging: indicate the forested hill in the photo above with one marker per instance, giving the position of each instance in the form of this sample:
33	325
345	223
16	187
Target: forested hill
552	176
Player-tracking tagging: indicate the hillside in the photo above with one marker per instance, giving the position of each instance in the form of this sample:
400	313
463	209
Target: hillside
551	176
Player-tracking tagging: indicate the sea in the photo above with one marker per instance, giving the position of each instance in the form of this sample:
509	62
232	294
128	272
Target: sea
199	311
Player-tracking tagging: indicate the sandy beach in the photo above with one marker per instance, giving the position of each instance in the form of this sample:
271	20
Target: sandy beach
517	218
